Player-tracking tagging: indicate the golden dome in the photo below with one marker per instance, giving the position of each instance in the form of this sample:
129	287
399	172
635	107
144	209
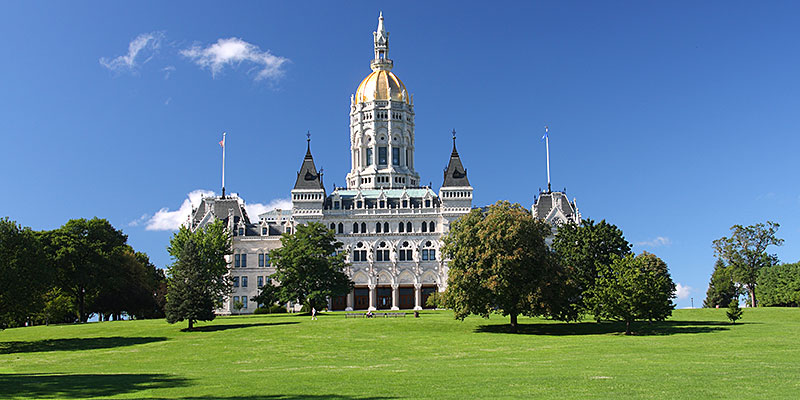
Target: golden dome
382	85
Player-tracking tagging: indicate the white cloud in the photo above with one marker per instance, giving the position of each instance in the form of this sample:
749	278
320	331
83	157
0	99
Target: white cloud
166	220
682	292
170	220
145	45
657	242
167	71
253	210
233	52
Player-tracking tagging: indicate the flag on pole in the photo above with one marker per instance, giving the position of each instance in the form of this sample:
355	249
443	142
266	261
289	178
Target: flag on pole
545	133
222	142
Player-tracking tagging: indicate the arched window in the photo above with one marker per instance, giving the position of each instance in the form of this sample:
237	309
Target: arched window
401	227
377	227
360	253
405	253
432	227
355	227
382	253
386	227
424	226
409	228
428	252
363	227
341	227
333	226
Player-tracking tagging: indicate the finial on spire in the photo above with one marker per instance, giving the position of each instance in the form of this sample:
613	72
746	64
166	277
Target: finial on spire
381	62
308	144
455	153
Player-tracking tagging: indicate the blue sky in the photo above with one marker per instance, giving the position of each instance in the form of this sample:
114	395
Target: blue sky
672	120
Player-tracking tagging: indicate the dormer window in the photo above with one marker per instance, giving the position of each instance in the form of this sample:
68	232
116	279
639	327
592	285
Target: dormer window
382	155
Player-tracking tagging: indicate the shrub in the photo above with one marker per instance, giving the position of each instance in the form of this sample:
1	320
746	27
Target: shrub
273	309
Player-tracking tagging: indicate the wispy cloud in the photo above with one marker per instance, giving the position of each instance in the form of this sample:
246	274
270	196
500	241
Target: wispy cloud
170	220
682	292
657	242
233	52
169	69
253	210
140	50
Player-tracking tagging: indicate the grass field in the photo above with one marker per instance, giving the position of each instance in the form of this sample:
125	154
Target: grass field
696	354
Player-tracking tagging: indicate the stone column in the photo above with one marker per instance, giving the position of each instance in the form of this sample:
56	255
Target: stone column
350	300
395	297
330	304
418	296
372	294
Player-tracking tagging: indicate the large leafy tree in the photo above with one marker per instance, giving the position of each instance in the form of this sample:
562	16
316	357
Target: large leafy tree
499	261
722	288
745	252
24	274
583	250
84	253
308	267
633	288
130	288
779	286
198	276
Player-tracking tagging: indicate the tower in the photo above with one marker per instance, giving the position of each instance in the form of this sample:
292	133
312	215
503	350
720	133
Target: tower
382	126
456	192
308	194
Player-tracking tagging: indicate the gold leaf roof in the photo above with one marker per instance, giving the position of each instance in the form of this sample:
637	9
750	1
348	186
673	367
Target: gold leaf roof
382	85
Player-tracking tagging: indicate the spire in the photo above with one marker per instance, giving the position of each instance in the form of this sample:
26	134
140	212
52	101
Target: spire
455	174
308	177
381	62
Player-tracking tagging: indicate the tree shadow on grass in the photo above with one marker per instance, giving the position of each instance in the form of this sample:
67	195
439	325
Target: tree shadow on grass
81	386
602	328
72	344
287	397
224	327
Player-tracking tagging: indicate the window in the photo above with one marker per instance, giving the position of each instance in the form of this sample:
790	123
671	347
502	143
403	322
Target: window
395	156
432	227
244	301
244	281
424	254
244	260
264	231
401	227
235	281
266	259
341	226
336	205
382	155
235	299
424	226
236	262
405	203
427	203
333	226
409	228
382	254
260	282
377	227
369	156
363	227
405	253
412	182
241	231
355	227
235	232
432	254
386	227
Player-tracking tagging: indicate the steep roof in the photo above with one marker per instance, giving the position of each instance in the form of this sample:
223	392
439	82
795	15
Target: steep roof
548	201
308	177
455	174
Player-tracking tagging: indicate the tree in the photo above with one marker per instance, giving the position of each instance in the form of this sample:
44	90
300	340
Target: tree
84	253
745	251
309	267
24	274
779	286
633	288
198	276
734	312
499	261
722	288
130	287
583	250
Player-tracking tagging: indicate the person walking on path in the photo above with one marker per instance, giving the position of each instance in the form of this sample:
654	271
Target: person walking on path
313	314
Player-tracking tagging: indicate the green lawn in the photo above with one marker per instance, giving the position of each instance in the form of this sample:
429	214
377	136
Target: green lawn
696	354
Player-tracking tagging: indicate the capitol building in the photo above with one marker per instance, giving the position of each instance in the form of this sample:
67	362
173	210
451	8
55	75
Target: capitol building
391	225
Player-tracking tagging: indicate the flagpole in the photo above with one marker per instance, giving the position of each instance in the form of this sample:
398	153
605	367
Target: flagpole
547	145
223	164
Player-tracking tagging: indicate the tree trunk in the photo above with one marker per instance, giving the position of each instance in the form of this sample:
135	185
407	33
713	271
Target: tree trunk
81	304
191	324
627	327
752	292
514	321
